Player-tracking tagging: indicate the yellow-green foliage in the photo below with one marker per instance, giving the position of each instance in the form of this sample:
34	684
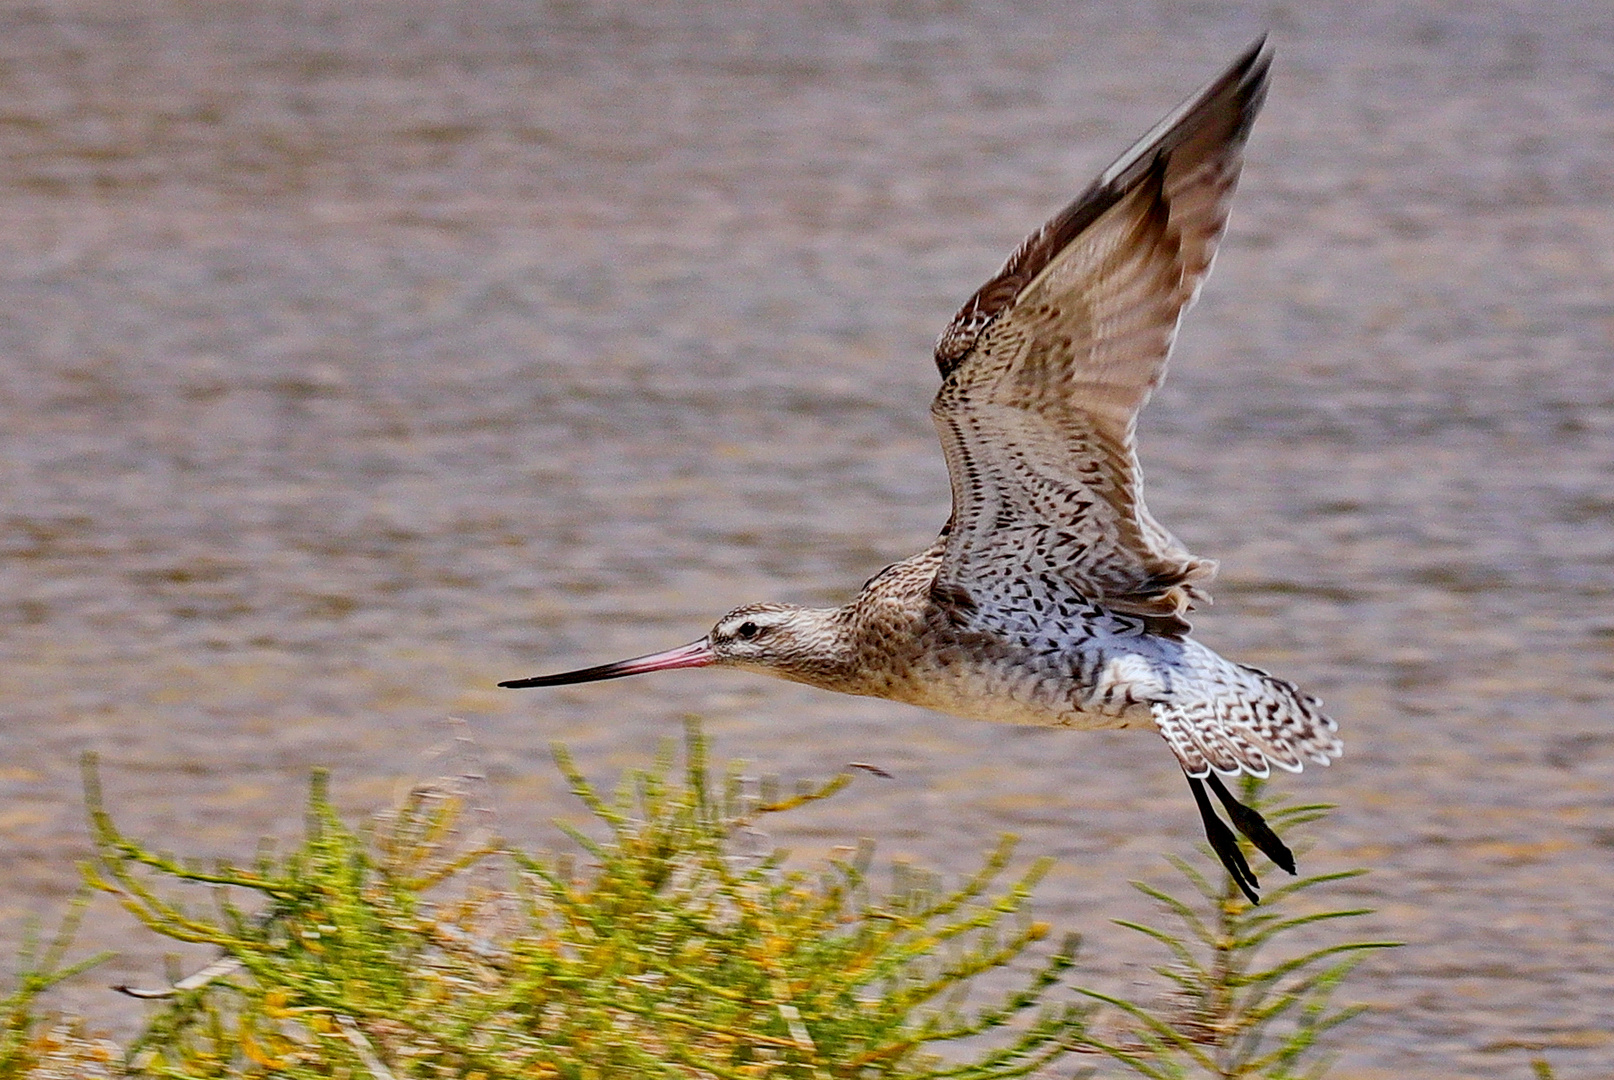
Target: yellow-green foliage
406	951
33	1048
412	949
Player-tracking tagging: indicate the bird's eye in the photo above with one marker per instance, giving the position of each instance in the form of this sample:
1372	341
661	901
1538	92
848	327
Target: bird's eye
748	630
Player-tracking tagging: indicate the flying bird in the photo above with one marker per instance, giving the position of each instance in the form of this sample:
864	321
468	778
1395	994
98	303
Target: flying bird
1052	596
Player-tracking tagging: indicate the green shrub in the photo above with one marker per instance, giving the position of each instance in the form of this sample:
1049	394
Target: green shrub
404	951
31	1044
413	948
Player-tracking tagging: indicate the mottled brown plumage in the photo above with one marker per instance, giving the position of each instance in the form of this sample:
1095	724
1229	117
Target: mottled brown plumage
1052	596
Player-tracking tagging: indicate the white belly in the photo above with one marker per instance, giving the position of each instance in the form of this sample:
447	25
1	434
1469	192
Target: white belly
1014	694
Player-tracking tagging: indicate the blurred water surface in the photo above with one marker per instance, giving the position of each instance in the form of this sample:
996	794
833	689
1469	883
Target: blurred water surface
357	356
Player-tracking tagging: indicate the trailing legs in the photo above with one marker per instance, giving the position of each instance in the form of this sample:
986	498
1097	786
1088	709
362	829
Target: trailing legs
1248	822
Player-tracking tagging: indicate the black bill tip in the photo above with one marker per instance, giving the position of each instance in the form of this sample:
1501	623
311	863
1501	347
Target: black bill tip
695	654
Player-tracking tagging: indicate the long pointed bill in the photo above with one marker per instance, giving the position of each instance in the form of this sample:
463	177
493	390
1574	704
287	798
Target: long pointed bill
695	654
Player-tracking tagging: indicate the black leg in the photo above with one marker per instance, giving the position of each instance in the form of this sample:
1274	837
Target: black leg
1224	843
1253	825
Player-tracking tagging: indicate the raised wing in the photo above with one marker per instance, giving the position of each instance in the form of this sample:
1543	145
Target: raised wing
1045	368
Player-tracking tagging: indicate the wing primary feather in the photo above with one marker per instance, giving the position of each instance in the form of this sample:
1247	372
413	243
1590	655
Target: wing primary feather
1219	115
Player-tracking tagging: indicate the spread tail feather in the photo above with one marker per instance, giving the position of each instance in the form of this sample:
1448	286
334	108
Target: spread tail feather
1240	719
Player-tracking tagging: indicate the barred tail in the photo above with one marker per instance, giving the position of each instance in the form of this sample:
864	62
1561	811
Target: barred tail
1237	719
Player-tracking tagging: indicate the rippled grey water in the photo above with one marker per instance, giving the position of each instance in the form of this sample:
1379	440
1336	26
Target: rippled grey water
358	356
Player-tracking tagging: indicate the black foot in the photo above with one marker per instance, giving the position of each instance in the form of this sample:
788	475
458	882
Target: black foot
1253	825
1224	843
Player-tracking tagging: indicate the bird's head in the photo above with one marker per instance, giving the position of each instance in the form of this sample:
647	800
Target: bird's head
783	640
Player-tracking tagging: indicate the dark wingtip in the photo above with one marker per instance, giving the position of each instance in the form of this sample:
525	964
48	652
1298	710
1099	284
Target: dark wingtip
1223	111
1255	49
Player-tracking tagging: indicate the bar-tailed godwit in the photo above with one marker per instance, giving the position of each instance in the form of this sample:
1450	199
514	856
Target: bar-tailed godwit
1052	596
